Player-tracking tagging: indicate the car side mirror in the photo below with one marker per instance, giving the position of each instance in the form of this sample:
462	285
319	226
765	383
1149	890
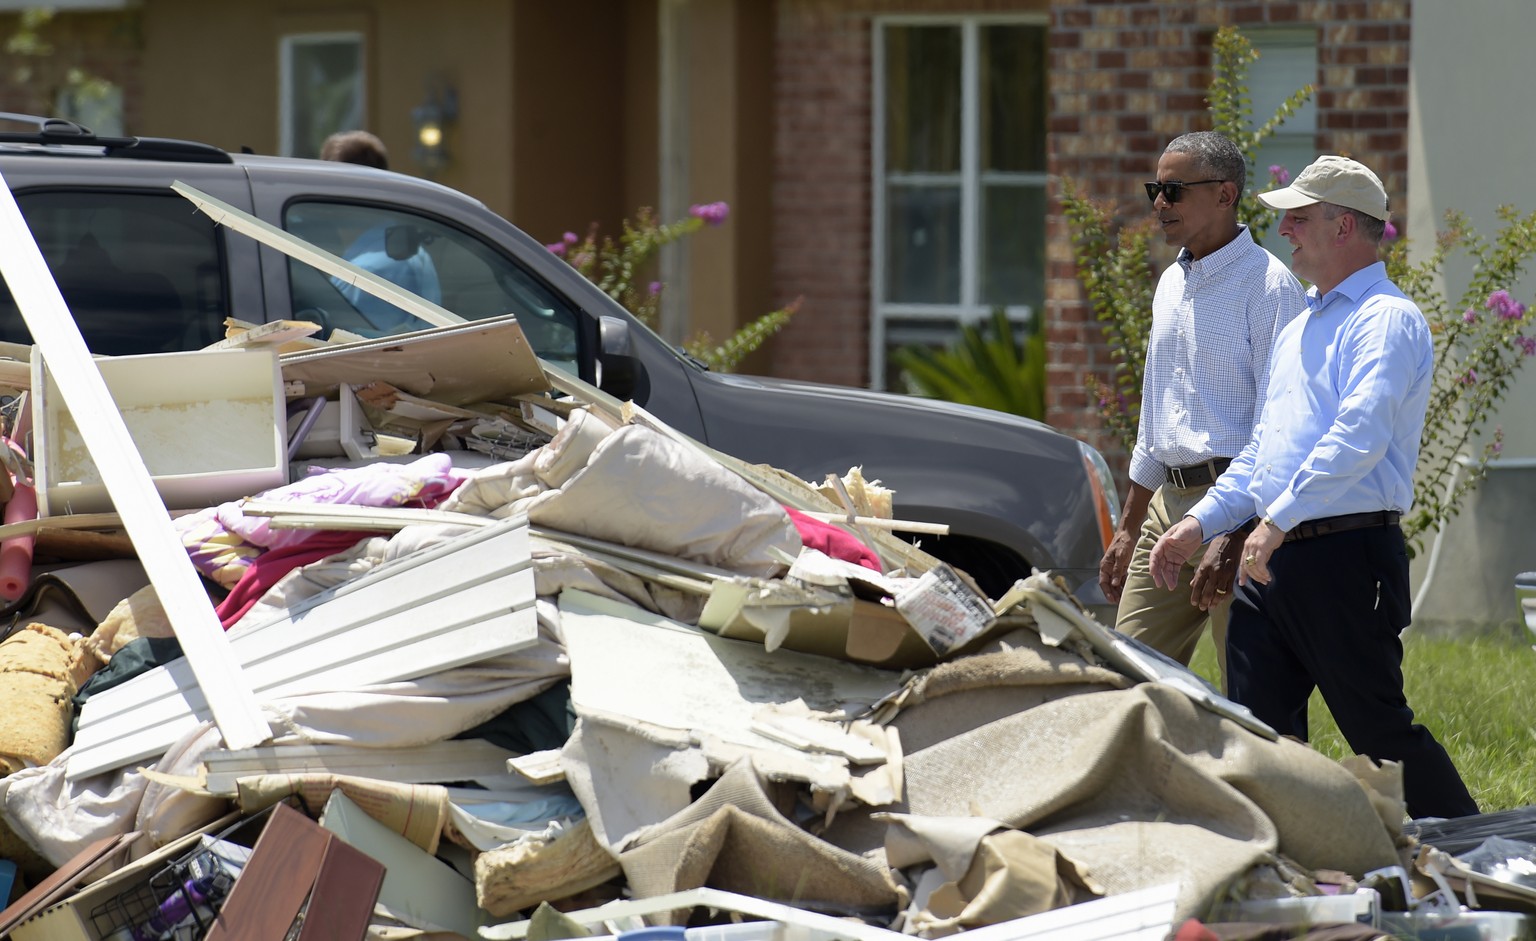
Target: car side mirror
618	369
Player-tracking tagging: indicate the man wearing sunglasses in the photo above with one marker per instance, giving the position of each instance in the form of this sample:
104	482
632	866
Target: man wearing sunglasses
1323	590
1215	315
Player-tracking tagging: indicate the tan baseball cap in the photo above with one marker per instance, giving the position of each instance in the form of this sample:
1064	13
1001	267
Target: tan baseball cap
1330	179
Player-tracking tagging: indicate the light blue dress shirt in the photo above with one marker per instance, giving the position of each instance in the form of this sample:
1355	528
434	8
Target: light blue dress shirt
416	274
1339	433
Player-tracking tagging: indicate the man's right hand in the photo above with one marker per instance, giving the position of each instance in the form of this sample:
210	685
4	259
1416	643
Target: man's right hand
1114	565
1175	547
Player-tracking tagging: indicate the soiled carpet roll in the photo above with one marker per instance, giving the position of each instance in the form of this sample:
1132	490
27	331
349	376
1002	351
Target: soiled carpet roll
36	685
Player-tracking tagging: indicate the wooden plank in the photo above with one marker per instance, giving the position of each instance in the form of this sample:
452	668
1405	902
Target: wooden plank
345	515
341	906
466	600
127	480
540	767
62	881
271	333
276	880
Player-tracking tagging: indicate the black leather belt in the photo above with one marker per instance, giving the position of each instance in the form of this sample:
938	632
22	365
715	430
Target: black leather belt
1342	524
1198	475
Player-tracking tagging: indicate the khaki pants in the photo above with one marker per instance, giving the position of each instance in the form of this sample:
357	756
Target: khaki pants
1165	620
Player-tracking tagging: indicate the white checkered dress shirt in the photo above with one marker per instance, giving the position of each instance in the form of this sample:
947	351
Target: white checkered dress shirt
1214	321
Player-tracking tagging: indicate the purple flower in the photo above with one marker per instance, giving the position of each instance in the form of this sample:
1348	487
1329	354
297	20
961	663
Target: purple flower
1389	234
557	247
711	213
1470	378
1508	307
1527	345
569	238
1279	174
1498	446
1470	316
655	288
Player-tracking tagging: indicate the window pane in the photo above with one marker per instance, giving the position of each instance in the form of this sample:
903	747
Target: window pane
1287	61
325	84
442	264
922	244
1013	245
139	273
922	99
1013	96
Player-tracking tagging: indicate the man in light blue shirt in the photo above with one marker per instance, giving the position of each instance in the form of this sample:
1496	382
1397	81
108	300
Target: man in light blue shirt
1323	587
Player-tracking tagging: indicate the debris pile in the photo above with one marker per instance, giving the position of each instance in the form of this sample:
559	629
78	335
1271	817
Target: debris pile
523	661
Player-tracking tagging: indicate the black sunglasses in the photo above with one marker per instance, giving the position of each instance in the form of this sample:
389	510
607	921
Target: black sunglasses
1172	190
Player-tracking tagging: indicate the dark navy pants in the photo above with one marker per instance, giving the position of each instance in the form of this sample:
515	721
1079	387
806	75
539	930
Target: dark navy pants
1330	619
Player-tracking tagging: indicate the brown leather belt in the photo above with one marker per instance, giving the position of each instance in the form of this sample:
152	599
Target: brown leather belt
1342	524
1198	475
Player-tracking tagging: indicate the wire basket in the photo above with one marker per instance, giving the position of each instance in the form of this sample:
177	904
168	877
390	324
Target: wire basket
179	902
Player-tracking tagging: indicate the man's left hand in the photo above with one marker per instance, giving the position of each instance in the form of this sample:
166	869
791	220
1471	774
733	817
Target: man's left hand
1260	545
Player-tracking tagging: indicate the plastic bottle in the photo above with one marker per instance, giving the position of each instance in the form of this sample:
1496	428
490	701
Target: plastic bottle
178	907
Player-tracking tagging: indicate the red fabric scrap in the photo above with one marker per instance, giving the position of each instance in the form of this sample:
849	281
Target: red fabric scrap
832	540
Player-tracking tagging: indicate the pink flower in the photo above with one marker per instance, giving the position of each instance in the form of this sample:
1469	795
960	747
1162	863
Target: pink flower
1470	316
1527	345
1470	378
1279	174
557	247
711	213
1389	234
569	238
1508	307
1498	446
655	288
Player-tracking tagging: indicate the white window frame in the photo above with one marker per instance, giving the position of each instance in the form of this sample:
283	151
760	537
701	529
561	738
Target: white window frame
285	93
970	309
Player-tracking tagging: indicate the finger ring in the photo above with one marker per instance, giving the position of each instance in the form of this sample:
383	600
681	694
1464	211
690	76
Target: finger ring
1250	559
1220	592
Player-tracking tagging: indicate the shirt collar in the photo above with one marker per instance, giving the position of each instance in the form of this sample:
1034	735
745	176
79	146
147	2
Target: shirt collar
1221	257
1352	287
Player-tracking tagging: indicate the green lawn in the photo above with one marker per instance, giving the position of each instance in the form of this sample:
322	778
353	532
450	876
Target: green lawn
1478	695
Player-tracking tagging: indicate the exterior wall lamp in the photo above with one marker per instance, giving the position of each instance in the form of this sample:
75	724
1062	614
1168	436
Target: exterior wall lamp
431	119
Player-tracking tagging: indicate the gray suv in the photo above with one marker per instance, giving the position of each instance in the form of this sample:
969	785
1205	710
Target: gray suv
143	272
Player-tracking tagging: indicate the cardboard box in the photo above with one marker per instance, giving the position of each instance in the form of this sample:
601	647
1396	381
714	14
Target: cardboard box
210	426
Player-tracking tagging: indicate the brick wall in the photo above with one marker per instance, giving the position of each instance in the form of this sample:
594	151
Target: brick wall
821	177
1128	76
104	45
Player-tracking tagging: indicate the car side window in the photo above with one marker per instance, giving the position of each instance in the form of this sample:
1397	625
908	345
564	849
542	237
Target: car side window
445	265
138	272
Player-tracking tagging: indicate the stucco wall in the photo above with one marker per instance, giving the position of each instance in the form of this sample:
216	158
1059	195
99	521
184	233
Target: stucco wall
1471	151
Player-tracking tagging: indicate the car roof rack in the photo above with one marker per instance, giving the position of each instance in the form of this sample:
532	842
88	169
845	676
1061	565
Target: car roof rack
57	131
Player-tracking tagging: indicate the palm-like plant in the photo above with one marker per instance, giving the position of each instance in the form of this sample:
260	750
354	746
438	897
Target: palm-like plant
990	366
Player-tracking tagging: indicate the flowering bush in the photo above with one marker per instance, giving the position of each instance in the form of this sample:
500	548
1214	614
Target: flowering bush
617	268
1479	339
1480	343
